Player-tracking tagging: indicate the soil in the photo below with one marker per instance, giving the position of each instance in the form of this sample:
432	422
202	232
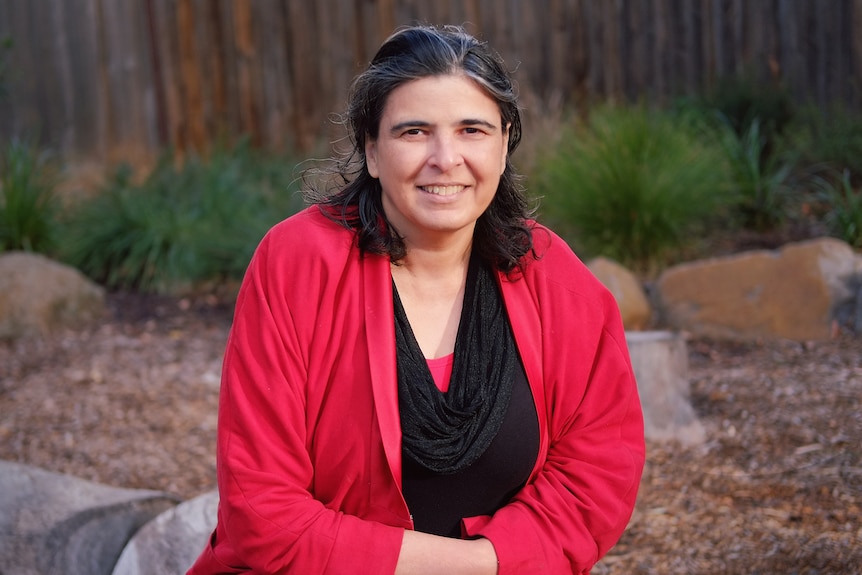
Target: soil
776	488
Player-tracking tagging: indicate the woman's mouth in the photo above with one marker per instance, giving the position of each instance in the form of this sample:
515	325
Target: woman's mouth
442	190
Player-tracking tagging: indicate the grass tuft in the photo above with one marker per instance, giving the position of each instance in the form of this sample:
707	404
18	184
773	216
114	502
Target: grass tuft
631	184
28	205
183	225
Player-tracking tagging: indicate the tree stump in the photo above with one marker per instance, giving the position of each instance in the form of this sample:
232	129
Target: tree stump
660	362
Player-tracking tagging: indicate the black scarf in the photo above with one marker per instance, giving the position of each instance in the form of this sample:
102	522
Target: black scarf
447	432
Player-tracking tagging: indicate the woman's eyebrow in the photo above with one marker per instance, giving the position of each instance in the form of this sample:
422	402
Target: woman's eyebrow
409	124
477	122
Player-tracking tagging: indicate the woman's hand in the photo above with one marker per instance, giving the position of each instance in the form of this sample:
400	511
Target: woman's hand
424	554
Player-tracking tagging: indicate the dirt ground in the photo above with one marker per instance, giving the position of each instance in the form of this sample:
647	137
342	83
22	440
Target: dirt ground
777	488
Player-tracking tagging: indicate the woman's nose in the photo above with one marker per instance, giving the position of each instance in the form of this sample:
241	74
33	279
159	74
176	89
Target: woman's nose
446	153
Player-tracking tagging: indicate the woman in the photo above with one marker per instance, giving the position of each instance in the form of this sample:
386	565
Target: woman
420	379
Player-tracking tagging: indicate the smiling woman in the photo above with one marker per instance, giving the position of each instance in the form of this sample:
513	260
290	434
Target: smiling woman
419	377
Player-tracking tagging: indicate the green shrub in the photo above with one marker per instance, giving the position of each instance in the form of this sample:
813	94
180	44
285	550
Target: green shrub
843	206
631	184
761	183
832	137
741	99
181	226
28	204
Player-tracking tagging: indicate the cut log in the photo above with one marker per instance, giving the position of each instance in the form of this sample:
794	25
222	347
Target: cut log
171	542
660	362
53	523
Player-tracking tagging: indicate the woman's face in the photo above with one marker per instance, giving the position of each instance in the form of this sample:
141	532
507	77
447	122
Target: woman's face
439	154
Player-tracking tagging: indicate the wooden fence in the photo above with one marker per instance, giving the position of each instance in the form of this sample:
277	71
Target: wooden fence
122	79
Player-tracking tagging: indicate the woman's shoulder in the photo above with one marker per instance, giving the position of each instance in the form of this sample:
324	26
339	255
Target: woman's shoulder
307	233
551	253
553	263
310	221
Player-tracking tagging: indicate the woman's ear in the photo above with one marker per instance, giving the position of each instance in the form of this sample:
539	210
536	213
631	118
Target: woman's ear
371	156
505	147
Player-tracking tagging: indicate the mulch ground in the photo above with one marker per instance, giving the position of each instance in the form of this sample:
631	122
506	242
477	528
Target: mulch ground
776	488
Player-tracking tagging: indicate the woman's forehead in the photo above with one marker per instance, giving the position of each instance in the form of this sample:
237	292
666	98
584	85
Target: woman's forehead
445	96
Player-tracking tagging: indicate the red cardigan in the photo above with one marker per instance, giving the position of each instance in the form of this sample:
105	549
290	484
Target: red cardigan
309	444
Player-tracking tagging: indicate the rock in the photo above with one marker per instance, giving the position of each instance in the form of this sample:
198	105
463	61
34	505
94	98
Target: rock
171	542
54	524
793	293
38	296
631	299
660	362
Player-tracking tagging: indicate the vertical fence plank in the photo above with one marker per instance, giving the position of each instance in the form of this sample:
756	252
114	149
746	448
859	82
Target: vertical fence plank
247	77
759	39
822	38
8	88
856	56
660	18
841	72
707	44
611	62
635	54
165	36
736	21
65	98
472	16
193	134
719	50
48	83
593	35
270	72
578	92
558	57
129	78
217	54
692	61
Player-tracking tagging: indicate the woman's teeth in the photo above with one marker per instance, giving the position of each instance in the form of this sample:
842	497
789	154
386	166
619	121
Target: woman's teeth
442	190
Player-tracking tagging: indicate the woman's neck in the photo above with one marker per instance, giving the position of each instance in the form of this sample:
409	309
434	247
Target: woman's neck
430	285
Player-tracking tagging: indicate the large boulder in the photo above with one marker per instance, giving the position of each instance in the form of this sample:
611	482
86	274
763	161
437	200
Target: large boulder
54	524
38	296
627	290
801	292
171	542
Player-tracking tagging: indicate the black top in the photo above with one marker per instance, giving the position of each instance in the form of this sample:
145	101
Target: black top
438	502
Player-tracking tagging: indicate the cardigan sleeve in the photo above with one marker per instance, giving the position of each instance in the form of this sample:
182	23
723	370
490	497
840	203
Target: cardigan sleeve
271	521
578	503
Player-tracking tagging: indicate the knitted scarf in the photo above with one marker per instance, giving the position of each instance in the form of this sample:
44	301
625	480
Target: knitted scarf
447	432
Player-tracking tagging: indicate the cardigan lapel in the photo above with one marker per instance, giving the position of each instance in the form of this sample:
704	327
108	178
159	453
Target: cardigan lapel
380	334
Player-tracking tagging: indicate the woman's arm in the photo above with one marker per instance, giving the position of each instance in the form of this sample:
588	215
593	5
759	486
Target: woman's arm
295	491
424	554
579	501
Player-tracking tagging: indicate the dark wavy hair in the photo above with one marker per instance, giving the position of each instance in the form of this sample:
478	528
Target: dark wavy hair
502	235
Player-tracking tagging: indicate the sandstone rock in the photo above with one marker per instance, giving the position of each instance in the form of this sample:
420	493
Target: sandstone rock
660	362
171	542
793	293
631	299
54	524
38	295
